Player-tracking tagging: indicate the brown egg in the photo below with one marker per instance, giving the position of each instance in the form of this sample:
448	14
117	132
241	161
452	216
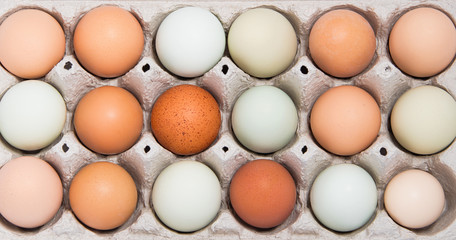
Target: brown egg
185	119
108	41
345	120
342	43
108	120
32	42
263	193
103	195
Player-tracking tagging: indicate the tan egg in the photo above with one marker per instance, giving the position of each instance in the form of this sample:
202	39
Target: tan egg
108	41
342	43
422	42
103	195
32	42
185	119
345	120
108	120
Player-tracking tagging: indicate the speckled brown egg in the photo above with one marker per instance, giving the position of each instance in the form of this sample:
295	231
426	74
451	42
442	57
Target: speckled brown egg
185	119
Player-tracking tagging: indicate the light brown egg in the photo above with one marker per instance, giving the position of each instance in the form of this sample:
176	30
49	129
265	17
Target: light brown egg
32	42
422	42
342	43
185	119
108	41
345	120
108	120
31	192
103	195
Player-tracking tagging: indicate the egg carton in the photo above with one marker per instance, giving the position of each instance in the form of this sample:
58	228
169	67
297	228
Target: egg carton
303	157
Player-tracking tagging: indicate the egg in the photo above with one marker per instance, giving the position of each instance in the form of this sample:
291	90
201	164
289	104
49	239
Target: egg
186	196
343	197
342	43
422	42
345	120
31	192
190	41
108	41
414	199
32	42
264	119
262	42
32	115
423	119
103	195
108	120
263	193
185	119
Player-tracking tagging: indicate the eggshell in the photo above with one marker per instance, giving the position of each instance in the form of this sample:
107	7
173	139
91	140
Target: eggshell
185	119
190	41
423	119
262	42
422	42
342	43
31	192
414	198
264	119
103	195
343	197
345	120
32	115
108	120
32	42
263	193
186	196
108	41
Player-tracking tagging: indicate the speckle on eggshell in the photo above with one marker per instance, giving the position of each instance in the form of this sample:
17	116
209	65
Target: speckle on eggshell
185	119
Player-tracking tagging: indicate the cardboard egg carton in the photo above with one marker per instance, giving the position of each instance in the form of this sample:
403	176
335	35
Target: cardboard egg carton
303	157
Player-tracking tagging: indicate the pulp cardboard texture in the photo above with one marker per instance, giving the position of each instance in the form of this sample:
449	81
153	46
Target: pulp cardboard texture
303	157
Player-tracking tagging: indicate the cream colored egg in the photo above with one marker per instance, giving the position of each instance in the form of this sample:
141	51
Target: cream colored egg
414	199
423	120
262	42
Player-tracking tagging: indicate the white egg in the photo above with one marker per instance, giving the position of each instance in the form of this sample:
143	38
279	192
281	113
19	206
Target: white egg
190	41
343	197
264	119
186	196
32	115
423	119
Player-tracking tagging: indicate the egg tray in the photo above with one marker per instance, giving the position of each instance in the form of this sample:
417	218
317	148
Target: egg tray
303	157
